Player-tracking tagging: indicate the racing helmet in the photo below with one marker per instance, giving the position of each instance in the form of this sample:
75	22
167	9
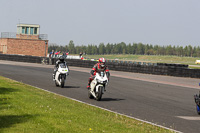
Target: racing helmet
102	62
61	58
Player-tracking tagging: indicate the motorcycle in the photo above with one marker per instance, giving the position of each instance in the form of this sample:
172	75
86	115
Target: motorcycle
197	101
61	74
97	86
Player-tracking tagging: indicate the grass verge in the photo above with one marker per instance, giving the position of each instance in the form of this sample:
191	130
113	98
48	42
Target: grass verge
151	58
27	109
148	58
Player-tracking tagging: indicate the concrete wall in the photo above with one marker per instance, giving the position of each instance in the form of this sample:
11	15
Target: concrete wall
21	58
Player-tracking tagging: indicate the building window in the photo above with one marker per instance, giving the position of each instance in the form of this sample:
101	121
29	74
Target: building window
31	32
27	30
35	30
23	30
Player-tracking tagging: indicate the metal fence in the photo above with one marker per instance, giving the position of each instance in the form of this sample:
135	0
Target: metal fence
8	34
26	36
43	36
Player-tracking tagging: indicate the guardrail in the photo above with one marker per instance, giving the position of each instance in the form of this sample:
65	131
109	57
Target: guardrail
24	36
178	70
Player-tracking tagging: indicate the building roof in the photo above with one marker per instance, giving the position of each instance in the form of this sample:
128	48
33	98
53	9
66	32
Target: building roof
28	25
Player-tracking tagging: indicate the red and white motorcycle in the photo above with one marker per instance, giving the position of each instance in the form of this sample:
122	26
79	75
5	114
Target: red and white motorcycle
97	86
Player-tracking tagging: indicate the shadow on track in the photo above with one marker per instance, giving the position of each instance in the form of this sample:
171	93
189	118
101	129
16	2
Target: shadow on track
71	87
111	99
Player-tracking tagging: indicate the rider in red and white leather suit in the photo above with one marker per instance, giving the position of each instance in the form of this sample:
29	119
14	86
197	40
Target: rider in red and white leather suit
100	66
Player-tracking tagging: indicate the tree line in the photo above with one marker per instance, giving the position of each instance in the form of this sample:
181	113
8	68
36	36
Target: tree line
123	48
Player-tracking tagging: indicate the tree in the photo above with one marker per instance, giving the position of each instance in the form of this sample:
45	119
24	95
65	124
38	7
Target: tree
112	49
71	47
140	49
84	49
194	52
169	50
134	48
94	49
180	51
129	49
123	48
190	50
161	50
186	51
89	49
78	49
108	48
198	51
156	50
101	48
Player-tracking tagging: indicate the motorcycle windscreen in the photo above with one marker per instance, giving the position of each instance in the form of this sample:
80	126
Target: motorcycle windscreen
62	65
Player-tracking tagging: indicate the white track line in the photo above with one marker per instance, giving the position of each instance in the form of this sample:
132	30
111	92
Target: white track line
191	118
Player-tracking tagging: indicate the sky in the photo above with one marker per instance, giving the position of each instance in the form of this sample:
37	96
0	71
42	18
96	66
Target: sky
156	22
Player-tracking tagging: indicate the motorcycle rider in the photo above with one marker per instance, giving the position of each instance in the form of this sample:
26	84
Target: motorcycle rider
99	67
61	60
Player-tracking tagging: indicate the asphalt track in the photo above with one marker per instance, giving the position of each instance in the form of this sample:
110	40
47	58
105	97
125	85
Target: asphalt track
165	100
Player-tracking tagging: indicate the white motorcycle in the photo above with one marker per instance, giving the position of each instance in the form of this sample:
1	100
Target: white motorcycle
97	86
61	75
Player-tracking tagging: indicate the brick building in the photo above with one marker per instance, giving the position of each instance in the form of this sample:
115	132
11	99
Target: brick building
27	41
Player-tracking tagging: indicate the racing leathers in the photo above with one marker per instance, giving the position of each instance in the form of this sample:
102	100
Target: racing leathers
98	68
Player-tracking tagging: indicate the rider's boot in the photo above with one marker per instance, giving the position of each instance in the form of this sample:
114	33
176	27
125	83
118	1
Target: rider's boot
88	87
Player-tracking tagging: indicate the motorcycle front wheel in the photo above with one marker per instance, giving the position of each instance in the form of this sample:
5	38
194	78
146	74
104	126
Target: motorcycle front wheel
62	81
99	93
56	83
90	95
